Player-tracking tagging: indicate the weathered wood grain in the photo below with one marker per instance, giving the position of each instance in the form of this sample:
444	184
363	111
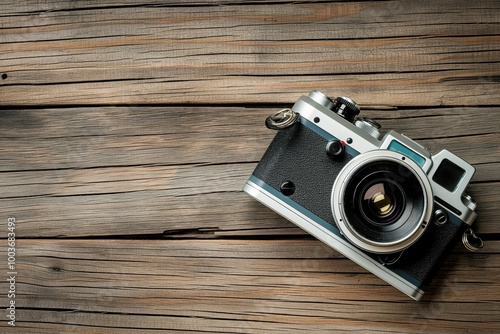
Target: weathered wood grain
40	139
127	129
385	52
109	169
33	6
238	286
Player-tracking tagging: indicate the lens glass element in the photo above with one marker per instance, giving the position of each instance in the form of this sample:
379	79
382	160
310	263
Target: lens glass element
378	200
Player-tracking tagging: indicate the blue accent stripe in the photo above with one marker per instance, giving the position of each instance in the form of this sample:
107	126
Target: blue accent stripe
324	224
398	147
328	136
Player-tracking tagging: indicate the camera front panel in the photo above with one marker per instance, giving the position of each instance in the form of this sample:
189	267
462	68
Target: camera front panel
297	156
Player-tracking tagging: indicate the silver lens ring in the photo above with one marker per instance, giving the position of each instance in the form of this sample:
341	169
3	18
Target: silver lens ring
414	225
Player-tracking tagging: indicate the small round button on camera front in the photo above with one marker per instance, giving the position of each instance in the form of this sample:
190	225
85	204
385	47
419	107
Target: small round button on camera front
335	149
287	188
440	217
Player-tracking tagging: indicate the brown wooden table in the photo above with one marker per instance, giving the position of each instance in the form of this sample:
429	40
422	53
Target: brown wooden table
128	128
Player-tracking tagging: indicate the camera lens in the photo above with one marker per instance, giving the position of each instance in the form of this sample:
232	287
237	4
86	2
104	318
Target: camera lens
381	203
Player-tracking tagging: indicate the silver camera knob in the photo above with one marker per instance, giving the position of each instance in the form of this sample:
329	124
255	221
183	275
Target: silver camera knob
321	98
469	202
369	125
343	106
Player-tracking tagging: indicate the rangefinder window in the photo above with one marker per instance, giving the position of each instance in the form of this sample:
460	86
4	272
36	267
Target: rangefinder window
448	175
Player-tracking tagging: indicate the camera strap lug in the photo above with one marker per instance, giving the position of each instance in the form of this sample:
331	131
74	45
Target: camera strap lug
282	119
471	241
390	259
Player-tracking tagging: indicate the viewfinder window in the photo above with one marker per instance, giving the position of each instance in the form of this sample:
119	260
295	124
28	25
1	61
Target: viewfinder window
448	175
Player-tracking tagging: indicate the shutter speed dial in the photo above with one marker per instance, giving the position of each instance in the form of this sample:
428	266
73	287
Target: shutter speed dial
346	108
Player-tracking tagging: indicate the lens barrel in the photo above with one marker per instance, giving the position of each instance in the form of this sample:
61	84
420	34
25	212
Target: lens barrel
382	202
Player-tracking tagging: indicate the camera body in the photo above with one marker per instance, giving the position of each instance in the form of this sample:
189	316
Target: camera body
387	204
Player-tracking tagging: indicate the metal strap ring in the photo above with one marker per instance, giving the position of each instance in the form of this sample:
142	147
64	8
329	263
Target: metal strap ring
471	241
282	119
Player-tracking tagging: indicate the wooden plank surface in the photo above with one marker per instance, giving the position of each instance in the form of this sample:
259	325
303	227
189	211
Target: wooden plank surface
238	286
110	166
127	130
384	52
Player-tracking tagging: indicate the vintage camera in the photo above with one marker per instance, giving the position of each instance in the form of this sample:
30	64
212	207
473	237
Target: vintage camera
387	204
